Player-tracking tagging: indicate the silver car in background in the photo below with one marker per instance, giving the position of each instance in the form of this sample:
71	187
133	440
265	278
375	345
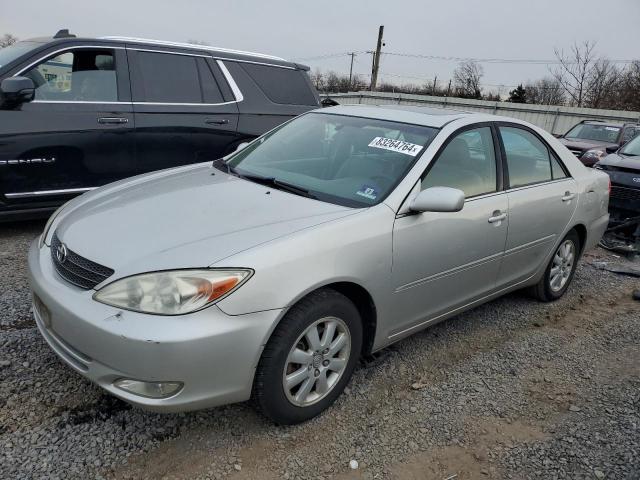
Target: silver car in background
267	274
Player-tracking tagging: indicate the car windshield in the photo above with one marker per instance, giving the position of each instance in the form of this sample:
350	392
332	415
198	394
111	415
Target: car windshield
632	149
9	54
598	133
350	161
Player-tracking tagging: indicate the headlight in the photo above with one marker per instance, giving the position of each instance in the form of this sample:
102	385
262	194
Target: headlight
47	226
172	292
595	153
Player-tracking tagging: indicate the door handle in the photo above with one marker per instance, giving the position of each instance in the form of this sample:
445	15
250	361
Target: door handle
497	216
217	121
568	196
112	120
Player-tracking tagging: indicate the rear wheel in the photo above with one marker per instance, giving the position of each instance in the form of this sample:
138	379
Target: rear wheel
309	358
559	273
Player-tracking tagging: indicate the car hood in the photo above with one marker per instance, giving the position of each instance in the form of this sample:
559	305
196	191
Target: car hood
621	161
184	218
584	145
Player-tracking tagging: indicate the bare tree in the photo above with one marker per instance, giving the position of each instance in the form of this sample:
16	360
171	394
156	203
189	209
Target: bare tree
466	79
627	89
317	78
575	71
7	39
546	91
602	84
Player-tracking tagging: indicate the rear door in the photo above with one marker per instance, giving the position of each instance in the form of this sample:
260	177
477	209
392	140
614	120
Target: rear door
182	114
77	134
542	199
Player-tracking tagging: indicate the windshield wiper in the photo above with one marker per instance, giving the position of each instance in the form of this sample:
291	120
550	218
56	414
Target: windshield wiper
273	182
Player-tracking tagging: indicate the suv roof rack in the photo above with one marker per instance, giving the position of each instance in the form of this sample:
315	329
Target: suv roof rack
64	33
192	45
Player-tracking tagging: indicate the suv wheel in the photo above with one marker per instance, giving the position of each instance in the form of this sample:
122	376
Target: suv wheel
560	270
309	358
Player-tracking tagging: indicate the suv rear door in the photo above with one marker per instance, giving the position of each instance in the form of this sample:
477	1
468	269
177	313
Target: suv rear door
76	134
183	113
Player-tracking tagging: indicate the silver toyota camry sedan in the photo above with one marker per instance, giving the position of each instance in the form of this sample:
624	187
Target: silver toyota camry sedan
269	273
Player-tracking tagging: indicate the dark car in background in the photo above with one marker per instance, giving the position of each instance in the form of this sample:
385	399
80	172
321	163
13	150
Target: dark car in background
623	168
592	140
77	113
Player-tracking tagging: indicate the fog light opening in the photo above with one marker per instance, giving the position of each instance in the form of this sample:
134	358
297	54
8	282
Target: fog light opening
148	389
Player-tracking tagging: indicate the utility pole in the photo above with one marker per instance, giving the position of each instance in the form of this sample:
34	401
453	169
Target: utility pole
353	54
376	60
435	80
449	88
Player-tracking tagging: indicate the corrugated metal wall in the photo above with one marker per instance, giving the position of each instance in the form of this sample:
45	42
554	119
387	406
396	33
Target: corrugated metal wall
552	118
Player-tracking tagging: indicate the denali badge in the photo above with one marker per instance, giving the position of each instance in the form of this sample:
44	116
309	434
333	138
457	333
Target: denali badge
27	161
61	253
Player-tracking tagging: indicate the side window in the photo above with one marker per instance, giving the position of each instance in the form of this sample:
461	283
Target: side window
528	158
210	90
282	85
468	163
77	75
556	170
168	78
628	134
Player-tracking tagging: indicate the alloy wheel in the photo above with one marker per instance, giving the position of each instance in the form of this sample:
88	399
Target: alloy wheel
562	265
316	361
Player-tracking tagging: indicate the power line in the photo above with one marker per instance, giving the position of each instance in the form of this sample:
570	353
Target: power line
506	61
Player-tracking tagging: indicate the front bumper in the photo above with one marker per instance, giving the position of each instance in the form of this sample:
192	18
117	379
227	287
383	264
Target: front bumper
212	353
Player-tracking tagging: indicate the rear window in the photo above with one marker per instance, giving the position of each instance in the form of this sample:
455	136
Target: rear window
282	85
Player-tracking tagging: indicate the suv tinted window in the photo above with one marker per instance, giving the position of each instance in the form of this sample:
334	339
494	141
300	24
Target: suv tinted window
210	91
281	85
168	78
76	75
467	163
528	158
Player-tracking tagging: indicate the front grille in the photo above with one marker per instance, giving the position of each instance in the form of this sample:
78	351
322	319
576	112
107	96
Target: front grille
623	193
76	269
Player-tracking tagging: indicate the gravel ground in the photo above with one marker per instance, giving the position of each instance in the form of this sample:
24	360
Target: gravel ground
513	389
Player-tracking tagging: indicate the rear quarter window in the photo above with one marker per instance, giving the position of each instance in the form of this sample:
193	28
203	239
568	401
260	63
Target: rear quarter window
282	85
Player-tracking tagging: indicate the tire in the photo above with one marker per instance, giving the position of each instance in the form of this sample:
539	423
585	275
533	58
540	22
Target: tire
551	287
316	370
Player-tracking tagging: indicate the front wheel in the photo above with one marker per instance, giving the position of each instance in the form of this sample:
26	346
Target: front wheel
560	270
309	358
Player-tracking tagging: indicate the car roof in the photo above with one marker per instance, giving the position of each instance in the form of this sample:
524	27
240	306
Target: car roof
218	52
427	116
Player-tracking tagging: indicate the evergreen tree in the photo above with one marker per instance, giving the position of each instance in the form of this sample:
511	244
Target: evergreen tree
518	95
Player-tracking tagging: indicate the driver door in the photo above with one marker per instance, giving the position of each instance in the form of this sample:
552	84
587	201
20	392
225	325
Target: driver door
443	261
77	134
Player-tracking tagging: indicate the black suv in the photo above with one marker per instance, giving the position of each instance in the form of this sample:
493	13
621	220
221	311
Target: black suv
591	140
77	113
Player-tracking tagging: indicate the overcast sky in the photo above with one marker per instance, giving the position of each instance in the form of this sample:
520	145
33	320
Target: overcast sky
302	30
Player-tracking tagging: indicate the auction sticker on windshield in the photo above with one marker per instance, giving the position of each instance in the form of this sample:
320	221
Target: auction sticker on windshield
396	146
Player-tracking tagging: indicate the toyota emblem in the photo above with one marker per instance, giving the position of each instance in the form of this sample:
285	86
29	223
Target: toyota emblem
61	253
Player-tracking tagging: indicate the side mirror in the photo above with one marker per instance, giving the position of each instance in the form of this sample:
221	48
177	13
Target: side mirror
17	90
438	199
613	148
